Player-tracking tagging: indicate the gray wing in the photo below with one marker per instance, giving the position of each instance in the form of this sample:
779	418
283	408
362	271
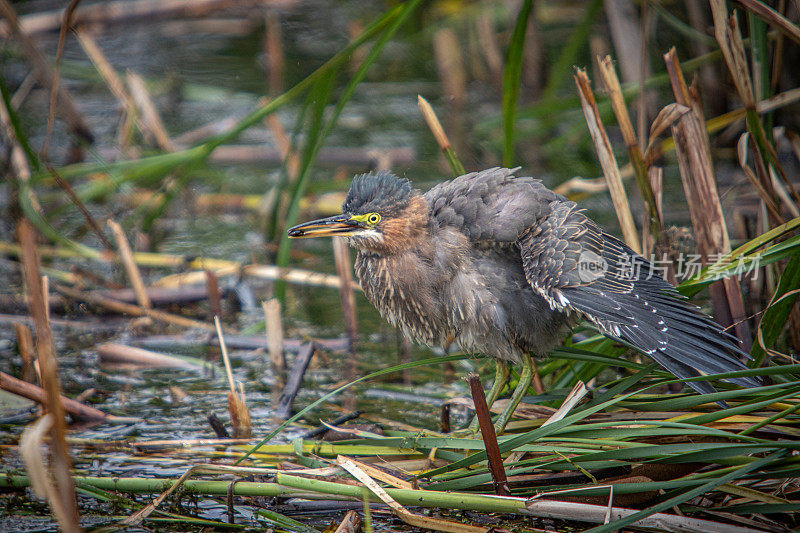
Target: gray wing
491	205
579	268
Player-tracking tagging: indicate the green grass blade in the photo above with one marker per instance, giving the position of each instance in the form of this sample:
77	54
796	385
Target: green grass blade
512	75
776	314
688	495
284	522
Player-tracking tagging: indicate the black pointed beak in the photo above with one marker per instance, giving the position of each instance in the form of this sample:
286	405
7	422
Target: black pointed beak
335	226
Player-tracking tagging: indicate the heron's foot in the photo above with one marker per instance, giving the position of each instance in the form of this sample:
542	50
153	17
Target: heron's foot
502	373
473	430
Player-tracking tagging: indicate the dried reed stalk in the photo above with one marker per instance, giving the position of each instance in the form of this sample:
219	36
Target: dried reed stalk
441	137
705	208
120	354
32	449
130	309
115	84
274	329
61	462
490	49
273	122
151	119
772	17
291	159
412	519
106	70
44	71
214	296
126	254
640	165
607	160
76	410
730	40
113	12
237	406
341	256
221	267
756	180
351	523
274	49
496	469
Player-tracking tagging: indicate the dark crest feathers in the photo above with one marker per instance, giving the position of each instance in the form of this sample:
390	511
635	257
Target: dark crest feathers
380	192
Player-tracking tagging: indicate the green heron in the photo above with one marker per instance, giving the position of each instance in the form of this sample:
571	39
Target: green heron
502	265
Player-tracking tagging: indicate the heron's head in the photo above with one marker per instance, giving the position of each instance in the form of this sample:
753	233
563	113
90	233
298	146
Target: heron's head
382	213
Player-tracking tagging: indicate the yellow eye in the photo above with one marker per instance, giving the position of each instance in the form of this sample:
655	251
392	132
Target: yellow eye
373	218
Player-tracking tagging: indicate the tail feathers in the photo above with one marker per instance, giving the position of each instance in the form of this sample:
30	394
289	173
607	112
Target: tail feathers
670	330
681	370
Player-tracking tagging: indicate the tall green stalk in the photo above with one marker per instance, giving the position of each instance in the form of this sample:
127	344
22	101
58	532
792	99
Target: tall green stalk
512	74
320	137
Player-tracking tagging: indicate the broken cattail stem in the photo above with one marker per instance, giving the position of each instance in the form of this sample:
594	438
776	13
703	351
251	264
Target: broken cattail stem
237	407
438	133
225	358
130	309
699	182
496	468
274	329
214	297
294	380
126	254
26	351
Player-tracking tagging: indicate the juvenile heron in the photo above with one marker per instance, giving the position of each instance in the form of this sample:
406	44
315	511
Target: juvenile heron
502	266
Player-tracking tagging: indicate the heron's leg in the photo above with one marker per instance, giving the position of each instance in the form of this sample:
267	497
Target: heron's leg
502	373
525	379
